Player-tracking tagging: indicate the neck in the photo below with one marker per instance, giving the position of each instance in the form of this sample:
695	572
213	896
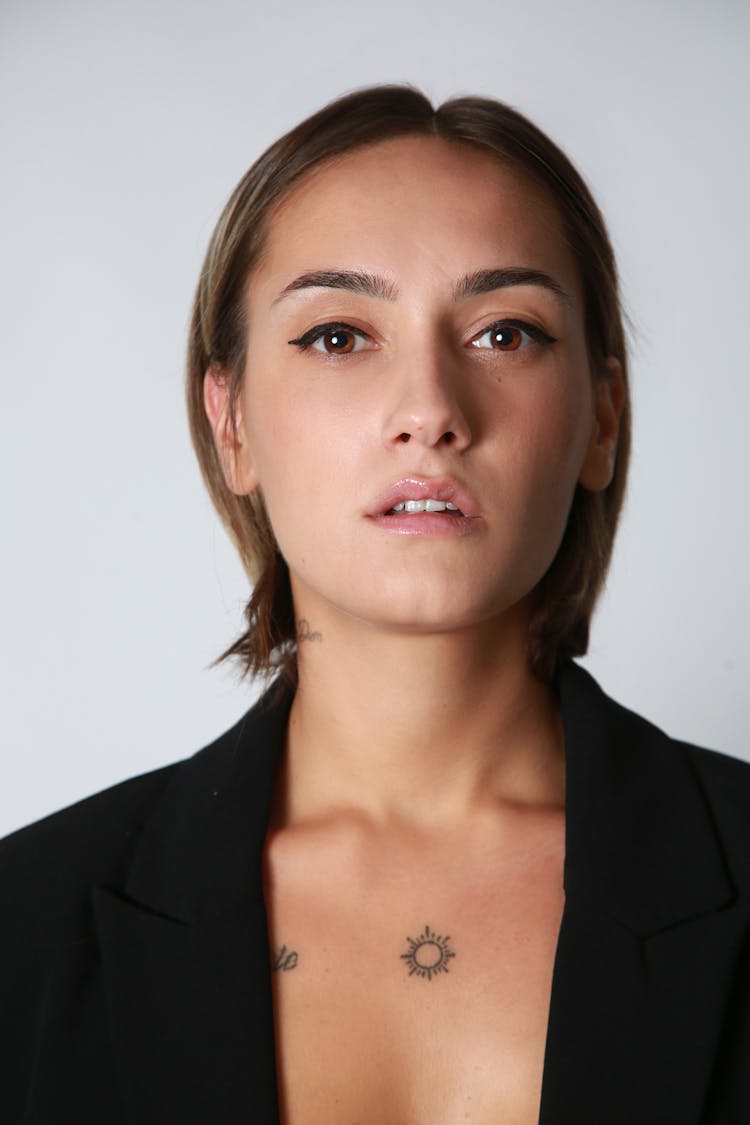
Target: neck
419	727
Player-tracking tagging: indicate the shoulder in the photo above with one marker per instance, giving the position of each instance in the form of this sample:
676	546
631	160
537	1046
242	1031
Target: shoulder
727	776
725	783
47	868
723	780
631	734
675	804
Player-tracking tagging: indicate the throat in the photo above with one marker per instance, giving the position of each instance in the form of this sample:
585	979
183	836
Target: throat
423	751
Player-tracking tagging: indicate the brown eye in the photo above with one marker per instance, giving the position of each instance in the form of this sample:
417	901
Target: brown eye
502	337
510	336
338	341
505	337
333	339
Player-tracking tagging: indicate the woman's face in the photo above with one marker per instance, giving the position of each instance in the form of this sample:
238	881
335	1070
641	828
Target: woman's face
415	333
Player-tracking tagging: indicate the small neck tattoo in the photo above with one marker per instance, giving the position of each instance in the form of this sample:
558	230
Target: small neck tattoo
305	633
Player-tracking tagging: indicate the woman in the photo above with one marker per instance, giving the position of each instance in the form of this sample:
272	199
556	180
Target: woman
436	874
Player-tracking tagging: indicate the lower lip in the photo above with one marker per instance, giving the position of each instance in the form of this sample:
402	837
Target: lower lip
436	525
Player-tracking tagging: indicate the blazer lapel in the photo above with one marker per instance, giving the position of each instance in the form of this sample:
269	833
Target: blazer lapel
185	948
644	961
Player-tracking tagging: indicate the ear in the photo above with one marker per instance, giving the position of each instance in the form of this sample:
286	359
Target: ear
609	399
229	439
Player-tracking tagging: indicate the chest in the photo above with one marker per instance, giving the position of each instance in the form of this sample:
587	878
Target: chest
403	999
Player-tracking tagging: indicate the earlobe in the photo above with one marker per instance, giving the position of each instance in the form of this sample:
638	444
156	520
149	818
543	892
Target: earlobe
609	400
228	431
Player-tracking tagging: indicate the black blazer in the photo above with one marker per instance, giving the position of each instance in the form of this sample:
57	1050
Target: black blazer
135	968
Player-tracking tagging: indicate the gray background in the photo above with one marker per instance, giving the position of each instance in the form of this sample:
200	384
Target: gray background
124	127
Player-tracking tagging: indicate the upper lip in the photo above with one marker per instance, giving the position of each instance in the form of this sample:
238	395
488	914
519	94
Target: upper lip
423	488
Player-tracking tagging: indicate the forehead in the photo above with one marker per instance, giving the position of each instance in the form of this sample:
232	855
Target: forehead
416	204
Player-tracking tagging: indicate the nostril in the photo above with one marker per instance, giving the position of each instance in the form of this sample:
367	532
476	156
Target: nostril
404	437
449	437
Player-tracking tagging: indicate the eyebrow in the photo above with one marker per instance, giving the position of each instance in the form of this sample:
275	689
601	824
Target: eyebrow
370	284
470	285
486	281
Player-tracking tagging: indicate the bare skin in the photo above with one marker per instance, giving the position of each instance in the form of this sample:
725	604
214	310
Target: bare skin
423	780
360	1039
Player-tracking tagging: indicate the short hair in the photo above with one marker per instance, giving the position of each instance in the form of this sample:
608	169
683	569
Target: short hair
565	596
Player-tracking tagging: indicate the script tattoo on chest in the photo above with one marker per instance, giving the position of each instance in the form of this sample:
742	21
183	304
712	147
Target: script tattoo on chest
428	954
285	960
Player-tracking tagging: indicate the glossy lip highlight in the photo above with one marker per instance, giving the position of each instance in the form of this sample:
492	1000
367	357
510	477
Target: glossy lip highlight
433	524
422	488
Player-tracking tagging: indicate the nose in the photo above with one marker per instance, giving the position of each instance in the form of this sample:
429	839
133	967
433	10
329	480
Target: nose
426	409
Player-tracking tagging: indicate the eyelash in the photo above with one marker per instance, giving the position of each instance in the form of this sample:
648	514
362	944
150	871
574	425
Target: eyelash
534	334
320	330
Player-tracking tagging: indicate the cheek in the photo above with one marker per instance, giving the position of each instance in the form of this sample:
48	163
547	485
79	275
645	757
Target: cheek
570	425
299	450
571	414
549	452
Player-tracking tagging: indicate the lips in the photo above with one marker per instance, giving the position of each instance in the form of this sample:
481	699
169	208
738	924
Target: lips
444	490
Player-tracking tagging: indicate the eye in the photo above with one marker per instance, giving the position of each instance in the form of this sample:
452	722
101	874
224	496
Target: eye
510	336
333	339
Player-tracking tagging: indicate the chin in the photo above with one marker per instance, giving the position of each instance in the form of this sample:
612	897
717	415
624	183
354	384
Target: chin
423	612
416	600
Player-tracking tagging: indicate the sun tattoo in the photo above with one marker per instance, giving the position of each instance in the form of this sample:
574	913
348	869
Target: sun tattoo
428	954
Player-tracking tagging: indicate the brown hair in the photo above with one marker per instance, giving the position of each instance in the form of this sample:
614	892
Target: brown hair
566	595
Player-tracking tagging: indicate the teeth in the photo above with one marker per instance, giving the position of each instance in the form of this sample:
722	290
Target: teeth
424	506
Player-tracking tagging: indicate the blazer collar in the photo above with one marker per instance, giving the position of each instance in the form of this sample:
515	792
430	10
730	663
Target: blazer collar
200	853
645	955
630	793
640	843
185	947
